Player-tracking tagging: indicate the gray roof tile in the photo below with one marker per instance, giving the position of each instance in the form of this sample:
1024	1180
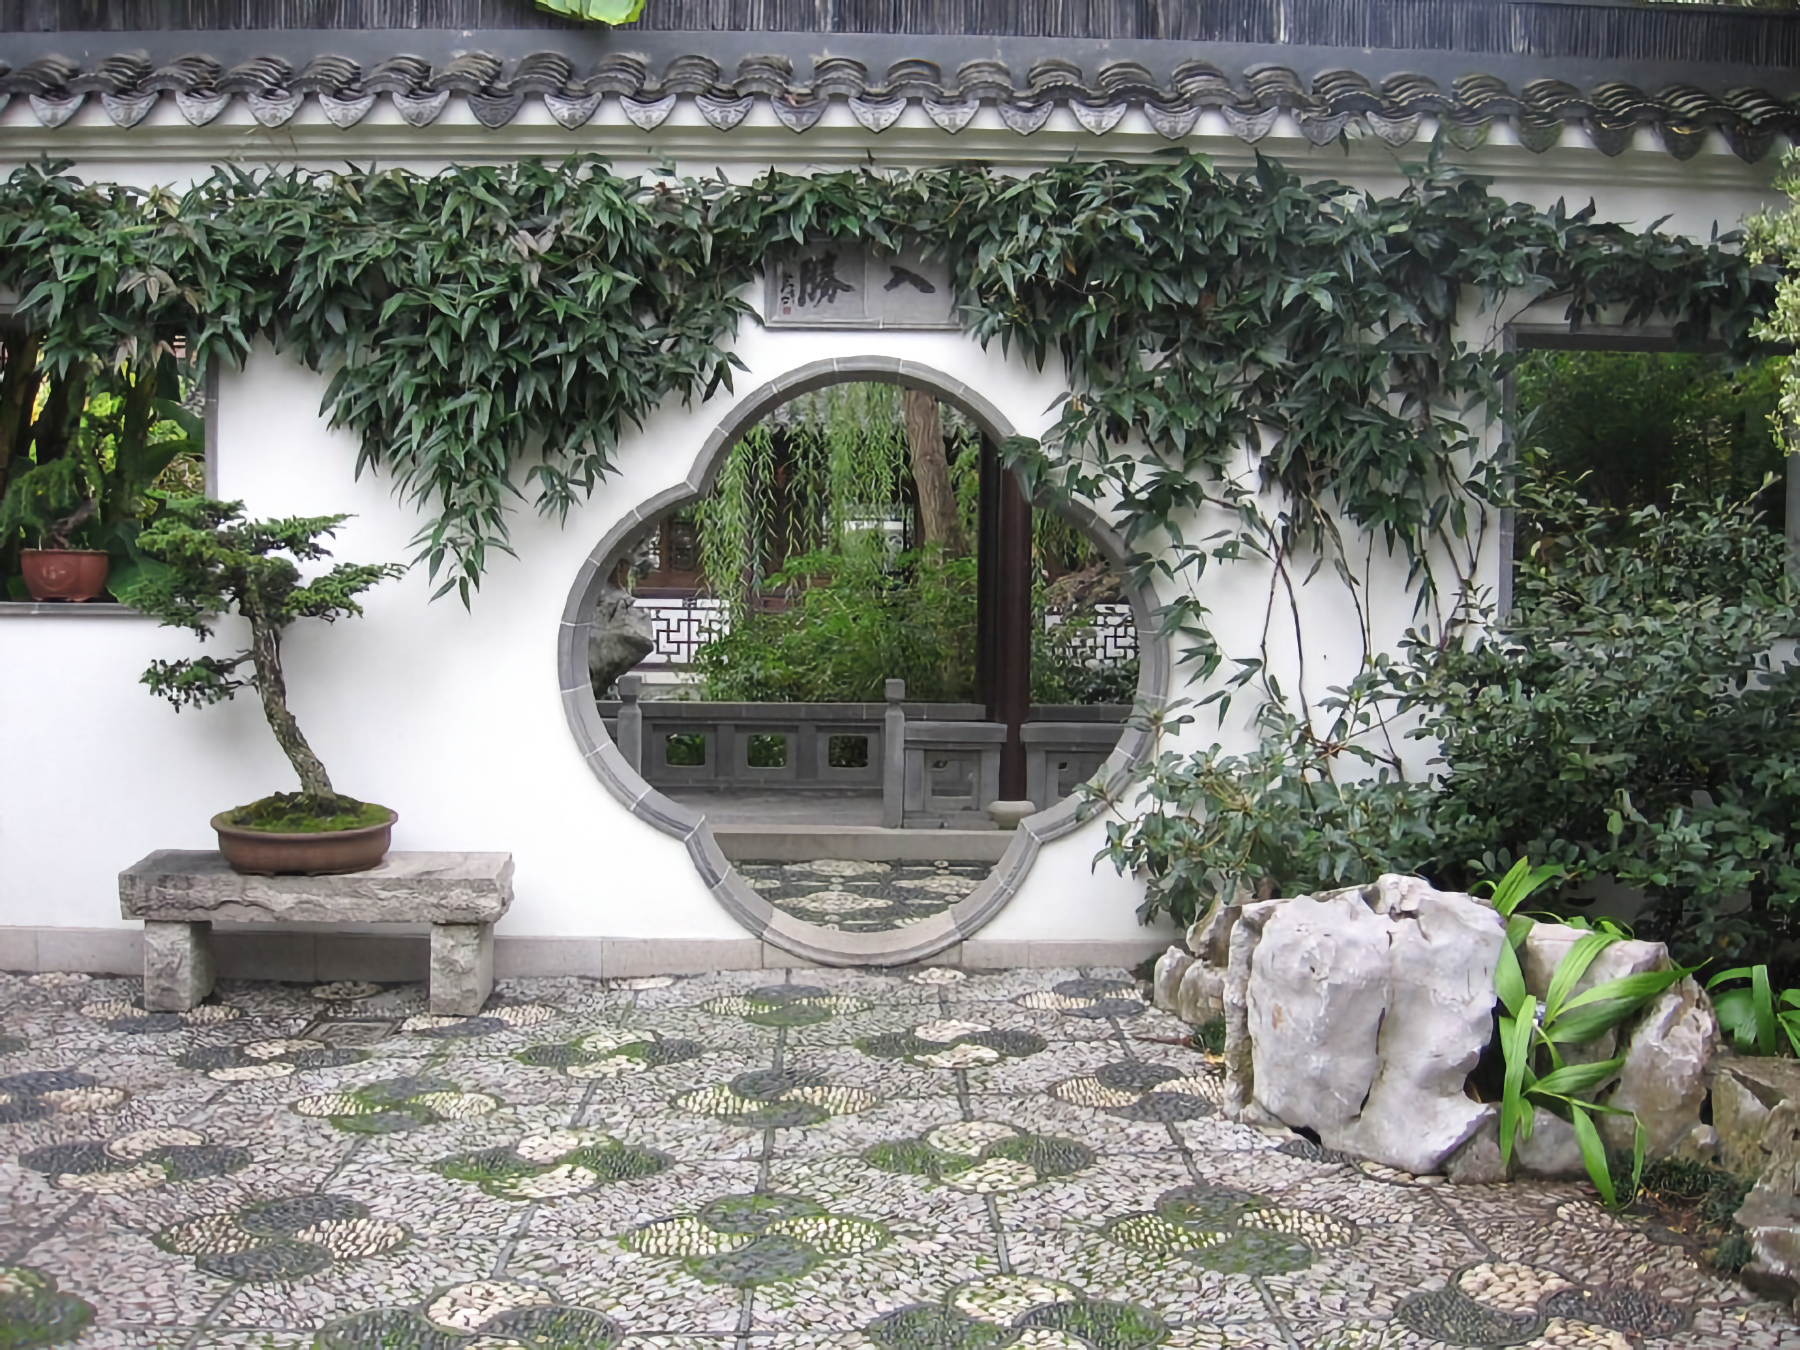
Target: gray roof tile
1751	119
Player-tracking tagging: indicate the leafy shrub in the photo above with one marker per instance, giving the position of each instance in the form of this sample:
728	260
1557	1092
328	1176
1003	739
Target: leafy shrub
1632	425
851	623
1274	822
1633	715
1064	668
854	620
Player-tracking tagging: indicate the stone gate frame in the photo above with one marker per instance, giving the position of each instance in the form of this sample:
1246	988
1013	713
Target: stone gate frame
807	941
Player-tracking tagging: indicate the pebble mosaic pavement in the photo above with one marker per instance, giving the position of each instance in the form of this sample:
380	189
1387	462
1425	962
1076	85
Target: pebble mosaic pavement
862	897
905	1160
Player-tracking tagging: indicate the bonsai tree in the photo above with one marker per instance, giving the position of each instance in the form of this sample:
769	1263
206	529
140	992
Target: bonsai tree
214	560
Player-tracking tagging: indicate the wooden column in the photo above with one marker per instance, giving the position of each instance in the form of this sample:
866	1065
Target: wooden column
1003	654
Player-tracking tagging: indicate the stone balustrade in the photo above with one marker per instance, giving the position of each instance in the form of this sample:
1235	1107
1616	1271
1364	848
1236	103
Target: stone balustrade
934	764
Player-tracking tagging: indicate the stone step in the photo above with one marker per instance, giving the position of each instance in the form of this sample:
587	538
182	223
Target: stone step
750	841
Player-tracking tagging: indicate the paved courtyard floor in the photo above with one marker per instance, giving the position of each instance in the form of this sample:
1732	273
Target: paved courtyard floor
843	895
922	1159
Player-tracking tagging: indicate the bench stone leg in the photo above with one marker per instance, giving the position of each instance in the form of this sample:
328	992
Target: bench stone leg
462	968
178	964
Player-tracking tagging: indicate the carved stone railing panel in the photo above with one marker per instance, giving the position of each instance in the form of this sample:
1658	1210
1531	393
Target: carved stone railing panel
935	765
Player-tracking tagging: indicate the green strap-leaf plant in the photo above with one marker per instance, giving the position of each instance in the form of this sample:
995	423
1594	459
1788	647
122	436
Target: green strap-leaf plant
1534	1037
1753	1013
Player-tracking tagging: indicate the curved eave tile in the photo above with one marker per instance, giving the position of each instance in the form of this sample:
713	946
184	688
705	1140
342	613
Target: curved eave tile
1336	103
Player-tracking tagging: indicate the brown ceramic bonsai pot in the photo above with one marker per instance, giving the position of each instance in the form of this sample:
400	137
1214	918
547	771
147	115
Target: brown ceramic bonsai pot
325	853
63	573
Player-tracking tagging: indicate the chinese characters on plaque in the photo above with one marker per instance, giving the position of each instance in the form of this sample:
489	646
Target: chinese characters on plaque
850	287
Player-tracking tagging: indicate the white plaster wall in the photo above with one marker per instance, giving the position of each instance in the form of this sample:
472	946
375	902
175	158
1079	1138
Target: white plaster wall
453	718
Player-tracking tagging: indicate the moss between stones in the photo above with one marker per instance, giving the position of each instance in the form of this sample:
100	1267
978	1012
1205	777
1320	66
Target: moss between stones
932	1328
1210	1037
543	1328
1106	1326
1695	1203
33	1313
299	813
493	1168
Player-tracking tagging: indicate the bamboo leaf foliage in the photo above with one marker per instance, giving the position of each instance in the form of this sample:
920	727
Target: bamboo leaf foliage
491	332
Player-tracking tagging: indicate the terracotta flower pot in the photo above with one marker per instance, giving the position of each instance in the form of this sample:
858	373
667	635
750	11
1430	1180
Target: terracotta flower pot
260	853
63	573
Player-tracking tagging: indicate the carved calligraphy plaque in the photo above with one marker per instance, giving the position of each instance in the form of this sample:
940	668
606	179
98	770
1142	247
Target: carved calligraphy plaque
837	286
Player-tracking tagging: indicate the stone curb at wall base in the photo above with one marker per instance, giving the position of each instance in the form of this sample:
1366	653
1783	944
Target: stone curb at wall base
305	956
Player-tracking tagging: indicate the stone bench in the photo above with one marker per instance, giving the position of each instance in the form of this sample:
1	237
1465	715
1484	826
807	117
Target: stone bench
180	893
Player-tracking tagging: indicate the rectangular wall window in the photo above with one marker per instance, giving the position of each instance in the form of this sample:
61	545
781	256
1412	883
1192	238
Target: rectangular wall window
1631	422
82	450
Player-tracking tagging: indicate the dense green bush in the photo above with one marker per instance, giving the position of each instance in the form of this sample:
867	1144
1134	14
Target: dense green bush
1063	672
1283	820
853	620
1633	715
856	619
1632	425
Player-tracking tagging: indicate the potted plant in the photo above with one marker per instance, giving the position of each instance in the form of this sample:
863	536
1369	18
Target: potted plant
53	502
213	560
85	446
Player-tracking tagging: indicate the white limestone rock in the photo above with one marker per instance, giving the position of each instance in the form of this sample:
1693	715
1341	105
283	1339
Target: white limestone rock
1770	1214
1547	944
1551	1152
1201	996
1316	998
1209	938
1477	1162
619	636
1359	1014
1166	980
1745	1091
1190	980
1240	1066
1698	1145
1740	1117
1664	1078
1443	949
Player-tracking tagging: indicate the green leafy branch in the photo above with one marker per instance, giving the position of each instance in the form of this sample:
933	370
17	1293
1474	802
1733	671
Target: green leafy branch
595	11
493	330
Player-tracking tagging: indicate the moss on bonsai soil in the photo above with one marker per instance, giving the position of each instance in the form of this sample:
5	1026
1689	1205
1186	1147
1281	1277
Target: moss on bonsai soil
300	813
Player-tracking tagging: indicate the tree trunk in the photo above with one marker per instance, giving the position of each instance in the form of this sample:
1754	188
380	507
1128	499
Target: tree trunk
939	522
265	650
18	396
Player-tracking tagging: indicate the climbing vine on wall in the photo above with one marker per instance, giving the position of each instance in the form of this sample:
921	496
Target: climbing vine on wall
1288	356
491	332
